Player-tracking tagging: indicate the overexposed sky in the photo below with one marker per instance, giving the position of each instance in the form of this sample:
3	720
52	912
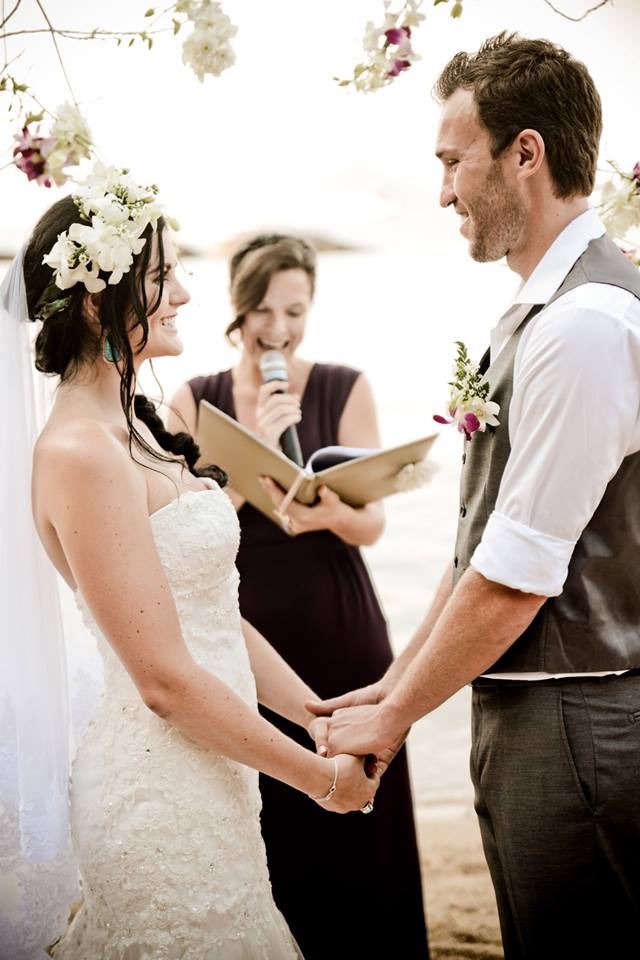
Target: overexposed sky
275	141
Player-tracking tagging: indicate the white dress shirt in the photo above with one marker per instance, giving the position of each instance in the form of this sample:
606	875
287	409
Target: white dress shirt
574	416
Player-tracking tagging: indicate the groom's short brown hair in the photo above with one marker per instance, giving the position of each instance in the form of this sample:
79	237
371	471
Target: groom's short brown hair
519	84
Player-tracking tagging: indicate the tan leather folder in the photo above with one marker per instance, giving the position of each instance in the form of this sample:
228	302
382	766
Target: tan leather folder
225	442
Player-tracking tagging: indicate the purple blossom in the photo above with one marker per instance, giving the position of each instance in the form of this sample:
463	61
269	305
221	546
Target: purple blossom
398	67
467	425
31	156
636	176
396	35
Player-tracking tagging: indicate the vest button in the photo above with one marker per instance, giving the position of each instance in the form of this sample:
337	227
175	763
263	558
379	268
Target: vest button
455	561
463	510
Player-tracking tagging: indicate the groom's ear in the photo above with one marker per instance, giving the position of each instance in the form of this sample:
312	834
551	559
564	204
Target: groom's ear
528	151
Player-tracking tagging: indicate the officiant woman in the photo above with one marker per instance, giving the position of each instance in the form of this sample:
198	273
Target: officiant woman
348	886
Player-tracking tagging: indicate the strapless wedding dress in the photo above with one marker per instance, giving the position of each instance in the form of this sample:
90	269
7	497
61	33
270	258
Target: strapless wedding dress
167	833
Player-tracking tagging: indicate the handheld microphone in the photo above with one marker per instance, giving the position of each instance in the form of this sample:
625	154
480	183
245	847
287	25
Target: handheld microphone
274	367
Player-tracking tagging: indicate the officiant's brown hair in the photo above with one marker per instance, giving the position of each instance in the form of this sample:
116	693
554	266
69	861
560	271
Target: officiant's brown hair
518	84
254	264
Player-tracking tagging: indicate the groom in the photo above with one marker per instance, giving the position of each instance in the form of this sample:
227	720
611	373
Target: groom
540	609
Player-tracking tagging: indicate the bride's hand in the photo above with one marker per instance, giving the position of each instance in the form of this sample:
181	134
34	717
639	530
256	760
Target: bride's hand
354	789
318	730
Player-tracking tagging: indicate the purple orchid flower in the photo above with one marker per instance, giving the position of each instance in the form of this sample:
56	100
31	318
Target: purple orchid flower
467	425
396	35
30	156
398	67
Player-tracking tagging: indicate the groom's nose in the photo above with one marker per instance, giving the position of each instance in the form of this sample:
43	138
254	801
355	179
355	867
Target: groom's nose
447	194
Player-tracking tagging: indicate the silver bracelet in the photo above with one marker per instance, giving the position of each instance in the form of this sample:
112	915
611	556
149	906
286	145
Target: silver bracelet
332	788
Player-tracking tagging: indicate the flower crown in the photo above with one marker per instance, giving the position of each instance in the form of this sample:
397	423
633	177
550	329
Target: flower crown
116	211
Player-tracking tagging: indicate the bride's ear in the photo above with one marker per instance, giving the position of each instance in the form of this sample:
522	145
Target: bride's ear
91	309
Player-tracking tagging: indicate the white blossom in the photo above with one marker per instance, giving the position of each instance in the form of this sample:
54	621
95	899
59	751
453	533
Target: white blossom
117	211
207	53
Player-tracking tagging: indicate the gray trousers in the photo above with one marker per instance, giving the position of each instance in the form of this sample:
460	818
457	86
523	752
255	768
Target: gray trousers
556	770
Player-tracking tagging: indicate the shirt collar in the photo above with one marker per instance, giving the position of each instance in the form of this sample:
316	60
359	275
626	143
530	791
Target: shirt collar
548	274
559	258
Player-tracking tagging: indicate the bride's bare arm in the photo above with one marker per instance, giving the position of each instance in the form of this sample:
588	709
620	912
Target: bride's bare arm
95	499
279	686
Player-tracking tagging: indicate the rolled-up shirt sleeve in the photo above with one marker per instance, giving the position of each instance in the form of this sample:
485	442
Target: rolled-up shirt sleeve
574	416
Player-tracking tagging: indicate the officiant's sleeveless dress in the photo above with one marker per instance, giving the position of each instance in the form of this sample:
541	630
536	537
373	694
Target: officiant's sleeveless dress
347	885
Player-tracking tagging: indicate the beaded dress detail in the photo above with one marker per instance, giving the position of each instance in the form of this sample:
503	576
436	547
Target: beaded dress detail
167	833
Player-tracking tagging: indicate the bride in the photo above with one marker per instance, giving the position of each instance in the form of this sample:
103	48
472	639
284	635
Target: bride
164	790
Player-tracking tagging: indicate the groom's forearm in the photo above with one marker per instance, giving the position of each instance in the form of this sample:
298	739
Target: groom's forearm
423	632
479	621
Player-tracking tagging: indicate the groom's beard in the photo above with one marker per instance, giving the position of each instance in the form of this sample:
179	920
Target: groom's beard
497	219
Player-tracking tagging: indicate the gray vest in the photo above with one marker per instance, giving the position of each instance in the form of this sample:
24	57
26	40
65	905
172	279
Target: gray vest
595	623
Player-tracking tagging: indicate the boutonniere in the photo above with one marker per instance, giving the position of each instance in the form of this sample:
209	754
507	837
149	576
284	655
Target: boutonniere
468	404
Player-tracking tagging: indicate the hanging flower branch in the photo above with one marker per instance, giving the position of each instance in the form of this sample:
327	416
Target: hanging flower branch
620	209
388	49
47	157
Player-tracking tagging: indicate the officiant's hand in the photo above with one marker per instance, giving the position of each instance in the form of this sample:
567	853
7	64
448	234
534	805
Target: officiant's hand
326	514
275	412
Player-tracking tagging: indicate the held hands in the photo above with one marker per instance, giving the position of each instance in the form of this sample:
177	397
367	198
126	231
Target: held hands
276	411
357	723
324	515
354	789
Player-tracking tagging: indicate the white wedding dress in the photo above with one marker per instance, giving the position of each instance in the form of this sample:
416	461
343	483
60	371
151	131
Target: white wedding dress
167	833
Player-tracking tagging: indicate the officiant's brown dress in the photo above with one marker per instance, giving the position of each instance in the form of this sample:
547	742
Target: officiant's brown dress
348	886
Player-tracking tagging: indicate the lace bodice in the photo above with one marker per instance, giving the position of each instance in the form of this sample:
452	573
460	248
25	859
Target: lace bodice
197	538
166	832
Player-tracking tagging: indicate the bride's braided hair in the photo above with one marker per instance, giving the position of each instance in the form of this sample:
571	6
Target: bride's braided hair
68	340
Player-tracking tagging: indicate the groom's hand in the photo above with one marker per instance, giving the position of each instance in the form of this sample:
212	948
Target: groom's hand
372	694
366	729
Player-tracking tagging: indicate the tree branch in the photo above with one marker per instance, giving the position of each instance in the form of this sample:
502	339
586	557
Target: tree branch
55	43
87	34
6	19
597	6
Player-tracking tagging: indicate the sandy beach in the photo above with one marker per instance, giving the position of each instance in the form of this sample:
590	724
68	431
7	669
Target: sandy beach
460	905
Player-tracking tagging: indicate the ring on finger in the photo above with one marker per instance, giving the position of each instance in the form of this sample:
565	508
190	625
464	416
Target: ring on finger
368	807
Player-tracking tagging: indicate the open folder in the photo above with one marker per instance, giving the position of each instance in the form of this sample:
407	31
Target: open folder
358	476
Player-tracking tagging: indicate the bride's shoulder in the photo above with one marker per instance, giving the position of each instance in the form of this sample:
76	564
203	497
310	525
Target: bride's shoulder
82	445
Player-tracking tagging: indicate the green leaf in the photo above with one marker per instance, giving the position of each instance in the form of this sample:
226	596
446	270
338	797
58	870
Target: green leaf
150	12
436	2
119	41
456	10
176	25
132	41
34	118
149	42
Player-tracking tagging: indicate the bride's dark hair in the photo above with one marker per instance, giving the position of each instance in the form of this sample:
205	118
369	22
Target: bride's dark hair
69	339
